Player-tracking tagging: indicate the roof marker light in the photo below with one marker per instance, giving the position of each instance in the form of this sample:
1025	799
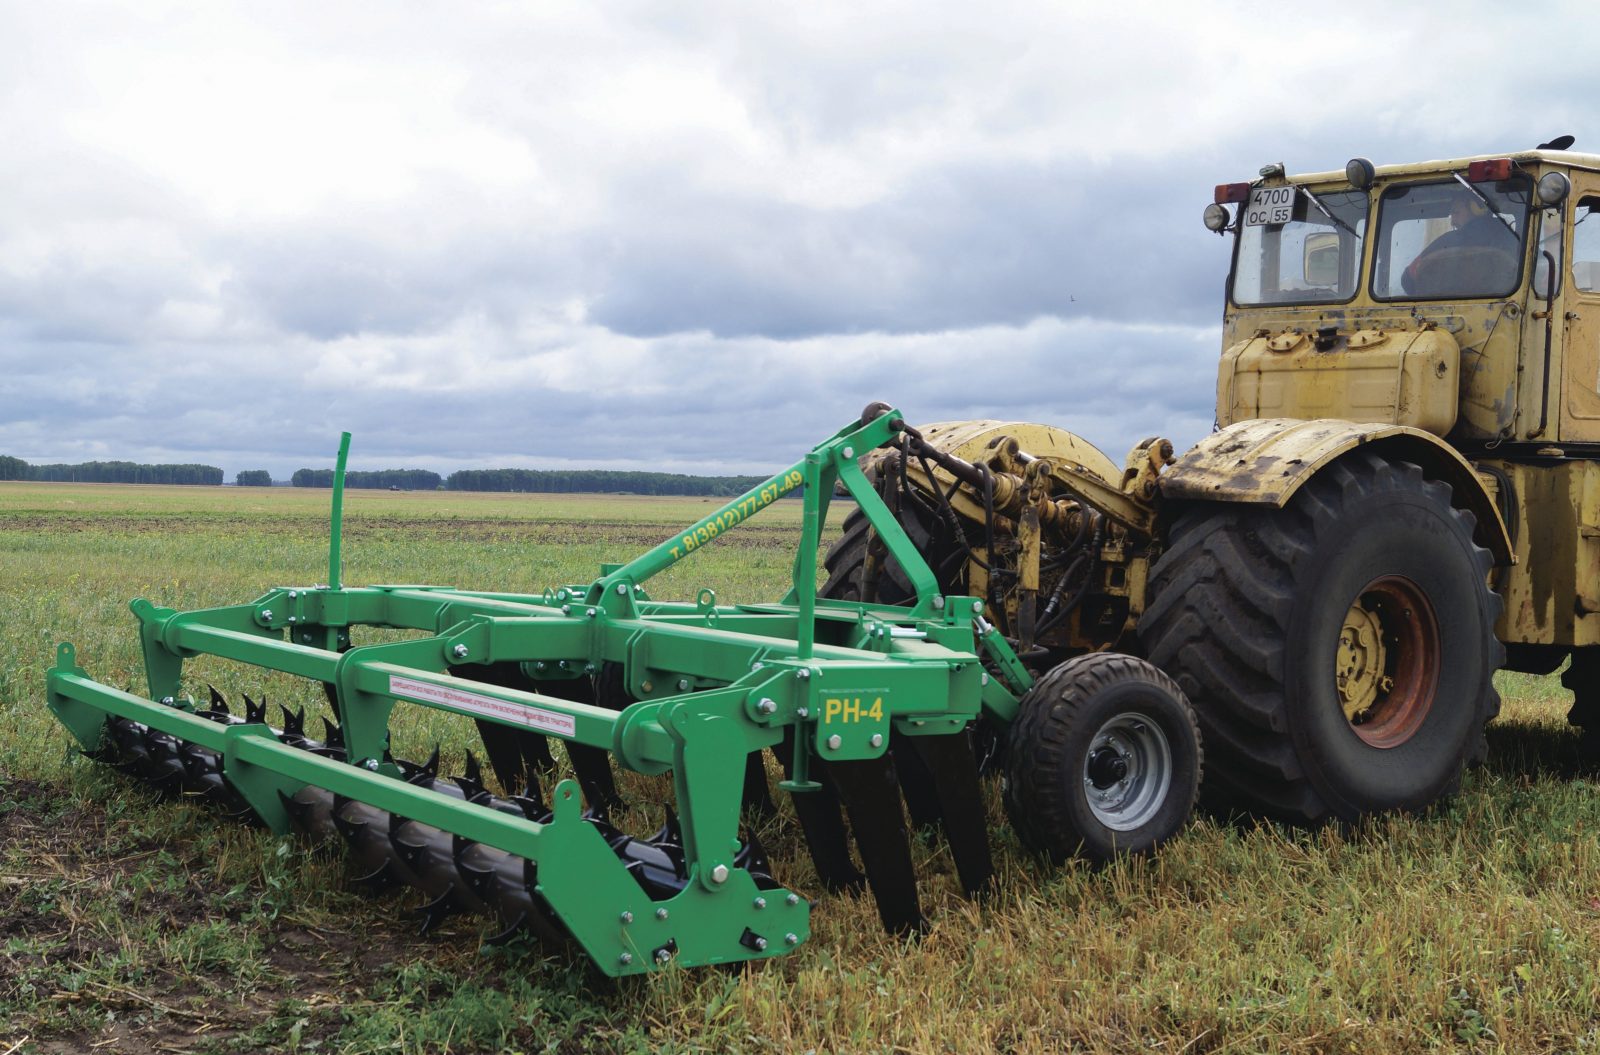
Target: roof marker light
1482	171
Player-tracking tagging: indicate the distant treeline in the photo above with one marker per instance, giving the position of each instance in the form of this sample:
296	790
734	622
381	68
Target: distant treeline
110	473
582	481
554	481
406	479
550	481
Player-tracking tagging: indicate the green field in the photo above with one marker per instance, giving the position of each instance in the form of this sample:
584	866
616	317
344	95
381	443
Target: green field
128	924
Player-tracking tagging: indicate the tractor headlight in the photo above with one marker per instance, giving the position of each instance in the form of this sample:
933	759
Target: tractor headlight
1360	172
1554	188
1216	217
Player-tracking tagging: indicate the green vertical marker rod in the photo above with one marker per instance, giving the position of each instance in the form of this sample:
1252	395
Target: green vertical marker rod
805	565
336	535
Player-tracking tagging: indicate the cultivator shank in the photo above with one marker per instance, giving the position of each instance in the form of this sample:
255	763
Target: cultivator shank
695	689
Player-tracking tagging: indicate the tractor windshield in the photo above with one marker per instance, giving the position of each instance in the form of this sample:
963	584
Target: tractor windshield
1450	239
1309	257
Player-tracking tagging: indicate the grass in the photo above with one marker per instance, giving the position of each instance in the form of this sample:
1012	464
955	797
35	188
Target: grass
134	925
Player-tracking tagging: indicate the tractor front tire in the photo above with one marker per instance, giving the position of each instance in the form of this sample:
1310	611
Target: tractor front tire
1103	759
1340	651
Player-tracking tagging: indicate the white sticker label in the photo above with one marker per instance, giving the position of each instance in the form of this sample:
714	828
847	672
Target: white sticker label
487	706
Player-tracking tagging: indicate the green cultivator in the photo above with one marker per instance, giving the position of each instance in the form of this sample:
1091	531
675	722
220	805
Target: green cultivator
854	697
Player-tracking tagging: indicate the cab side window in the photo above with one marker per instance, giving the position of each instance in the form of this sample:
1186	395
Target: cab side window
1586	246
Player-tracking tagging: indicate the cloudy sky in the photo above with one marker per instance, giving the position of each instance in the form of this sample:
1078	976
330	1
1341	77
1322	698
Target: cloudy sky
694	236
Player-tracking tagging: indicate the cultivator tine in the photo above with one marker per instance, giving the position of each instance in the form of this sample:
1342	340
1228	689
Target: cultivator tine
591	765
917	782
757	794
823	826
960	803
871	797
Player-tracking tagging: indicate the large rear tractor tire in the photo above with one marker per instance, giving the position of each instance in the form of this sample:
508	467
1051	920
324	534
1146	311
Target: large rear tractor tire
1103	759
1340	651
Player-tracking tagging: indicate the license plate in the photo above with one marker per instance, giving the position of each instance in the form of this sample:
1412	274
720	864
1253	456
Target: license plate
1269	206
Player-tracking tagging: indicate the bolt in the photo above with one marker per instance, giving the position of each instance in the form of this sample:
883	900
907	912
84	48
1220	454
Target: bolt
372	764
719	874
266	615
793	900
626	917
305	637
683	684
849	452
622	589
588	668
760	902
460	651
566	609
803	673
766	706
661	913
835	742
977	607
983	679
647	686
938	603
756	665
877	740
761	943
625	959
663	955
791	938
168	700
804	712
292	619
539	664
591	613
293	594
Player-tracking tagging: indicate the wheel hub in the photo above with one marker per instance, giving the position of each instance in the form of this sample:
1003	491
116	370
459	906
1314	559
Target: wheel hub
1388	661
1127	771
1107	766
1361	660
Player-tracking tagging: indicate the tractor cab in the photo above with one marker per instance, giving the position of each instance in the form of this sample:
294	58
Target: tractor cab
1459	297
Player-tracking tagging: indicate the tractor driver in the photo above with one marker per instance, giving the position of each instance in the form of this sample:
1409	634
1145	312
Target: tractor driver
1456	261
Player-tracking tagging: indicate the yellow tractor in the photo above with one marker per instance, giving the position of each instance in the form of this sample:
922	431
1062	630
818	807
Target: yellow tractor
1401	495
